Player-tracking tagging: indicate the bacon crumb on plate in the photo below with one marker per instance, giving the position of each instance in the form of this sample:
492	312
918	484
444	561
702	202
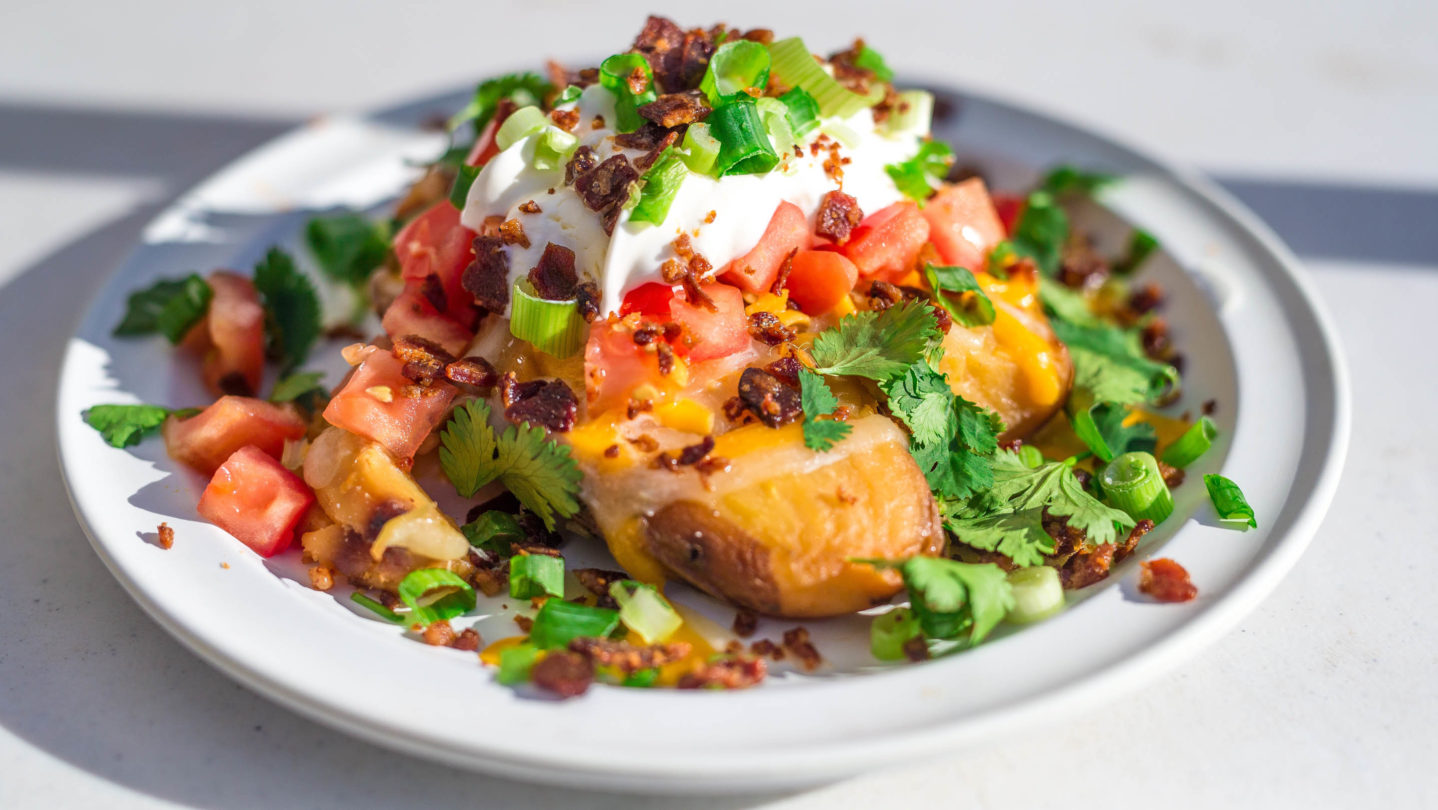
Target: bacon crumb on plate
1166	581
165	536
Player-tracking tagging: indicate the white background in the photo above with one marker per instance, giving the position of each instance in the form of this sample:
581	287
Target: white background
1322	116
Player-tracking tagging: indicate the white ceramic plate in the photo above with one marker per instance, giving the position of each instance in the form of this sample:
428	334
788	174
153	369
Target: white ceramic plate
1242	313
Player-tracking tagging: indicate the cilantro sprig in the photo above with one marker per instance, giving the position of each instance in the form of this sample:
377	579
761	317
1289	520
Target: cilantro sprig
126	425
1109	360
540	473
170	307
818	401
918	177
877	346
348	247
954	601
292	308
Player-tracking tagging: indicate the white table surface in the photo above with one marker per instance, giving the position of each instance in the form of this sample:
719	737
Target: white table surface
1322	115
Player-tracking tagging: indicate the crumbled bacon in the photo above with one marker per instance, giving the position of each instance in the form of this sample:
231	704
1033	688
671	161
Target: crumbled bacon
839	214
165	536
1166	581
580	162
745	623
597	582
726	673
768	329
440	634
786	370
475	371
511	231
677	58
1172	476
322	577
766	648
530	207
586	294
554	277
646	160
796	641
626	657
774	403
567	674
675	109
424	360
688	457
487	277
1080	265
543	403
566	120
433	291
605	188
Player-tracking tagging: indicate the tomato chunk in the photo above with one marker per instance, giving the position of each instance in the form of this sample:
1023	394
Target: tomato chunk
485	146
1008	207
820	279
435	244
234	351
719	332
206	439
413	314
373	404
756	270
256	499
886	244
963	224
651	300
614	365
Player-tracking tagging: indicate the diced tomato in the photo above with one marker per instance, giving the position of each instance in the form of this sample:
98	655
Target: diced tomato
887	242
614	365
413	314
373	404
963	224
485	146
820	279
1008	207
712	333
651	300
756	270
256	499
234	339
206	439
435	244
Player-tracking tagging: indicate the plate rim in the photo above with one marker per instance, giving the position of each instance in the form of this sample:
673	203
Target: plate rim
1183	642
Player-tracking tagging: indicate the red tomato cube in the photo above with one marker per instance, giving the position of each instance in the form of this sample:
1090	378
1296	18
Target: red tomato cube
206	439
435	244
257	500
963	224
886	244
234	354
820	279
373	404
413	314
719	332
756	270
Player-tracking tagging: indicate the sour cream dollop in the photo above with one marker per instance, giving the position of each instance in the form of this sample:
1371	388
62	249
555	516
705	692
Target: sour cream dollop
741	205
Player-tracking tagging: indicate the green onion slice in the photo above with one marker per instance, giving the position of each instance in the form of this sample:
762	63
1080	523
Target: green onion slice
463	179
889	632
567	95
375	607
1133	484
661	185
914	111
644	611
743	142
1038	594
701	149
516	662
735	67
435	595
802	111
918	176
532	575
560	622
1193	443
776	122
522	123
554	327
1228	500
1030	456
973	308
614	75
794	65
553	148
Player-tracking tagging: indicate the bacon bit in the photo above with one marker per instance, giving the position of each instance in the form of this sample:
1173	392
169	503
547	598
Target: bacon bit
597	123
524	623
766	328
786	370
916	649
473	371
688	457
665	358
433	291
383	393
1172	476
648	159
839	214
530	207
1166	581
490	226
676	109
645	443
764	648
566	674
468	641
512	232
737	412
487	277
439	634
626	657
638	406
796	641
745	623
774	403
606	187
597	582
586	295
672	271
322	578
542	403
1210	407
580	162
566	120
834	164
785	268
709	218
612	451
165	536
727	673
554	278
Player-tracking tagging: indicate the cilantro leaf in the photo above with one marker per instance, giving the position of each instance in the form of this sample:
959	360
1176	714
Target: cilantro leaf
817	400
1141	245
1102	427
124	425
539	472
292	308
1109	362
917	177
302	388
1054	487
493	531
921	399
952	437
169	306
1041	231
876	345
524	89
954	600
348	247
1066	179
973	307
1020	536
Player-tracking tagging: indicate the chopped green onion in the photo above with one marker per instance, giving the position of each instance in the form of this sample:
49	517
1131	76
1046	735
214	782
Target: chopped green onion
661	184
493	531
841	132
375	607
614	75
1038	594
918	176
532	575
734	68
567	95
434	595
1141	245
1133	484
794	65
1030	456
520	124
516	662
914	110
554	327
1193	443
743	143
872	60
1041	231
560	622
889	632
463	180
776	122
701	149
553	149
802	111
973	307
1086	429
644	611
641	679
1228	500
